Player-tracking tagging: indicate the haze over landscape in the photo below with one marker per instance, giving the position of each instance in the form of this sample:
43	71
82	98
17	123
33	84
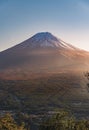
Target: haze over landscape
42	53
41	74
44	65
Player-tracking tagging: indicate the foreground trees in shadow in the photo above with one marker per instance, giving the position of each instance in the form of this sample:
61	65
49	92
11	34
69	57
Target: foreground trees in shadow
60	121
7	122
64	121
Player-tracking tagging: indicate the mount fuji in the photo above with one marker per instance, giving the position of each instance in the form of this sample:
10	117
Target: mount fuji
44	40
41	54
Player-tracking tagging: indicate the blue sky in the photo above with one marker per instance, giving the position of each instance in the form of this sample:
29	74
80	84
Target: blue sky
67	19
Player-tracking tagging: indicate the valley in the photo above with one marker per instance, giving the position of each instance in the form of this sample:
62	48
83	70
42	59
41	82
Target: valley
65	90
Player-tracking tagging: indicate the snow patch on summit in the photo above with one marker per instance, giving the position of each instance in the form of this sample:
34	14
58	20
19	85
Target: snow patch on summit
46	39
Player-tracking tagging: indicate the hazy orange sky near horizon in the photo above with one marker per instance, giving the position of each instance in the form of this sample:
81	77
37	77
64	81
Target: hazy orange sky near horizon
66	19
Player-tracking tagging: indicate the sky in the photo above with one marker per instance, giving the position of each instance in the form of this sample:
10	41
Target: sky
66	19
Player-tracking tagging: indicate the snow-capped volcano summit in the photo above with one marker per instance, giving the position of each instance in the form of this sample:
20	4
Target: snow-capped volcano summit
46	39
44	36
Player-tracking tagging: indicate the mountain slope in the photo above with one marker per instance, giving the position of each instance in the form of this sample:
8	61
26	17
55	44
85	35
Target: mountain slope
42	53
43	40
44	73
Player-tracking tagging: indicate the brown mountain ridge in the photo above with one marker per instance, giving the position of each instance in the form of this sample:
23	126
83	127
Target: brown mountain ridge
41	55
